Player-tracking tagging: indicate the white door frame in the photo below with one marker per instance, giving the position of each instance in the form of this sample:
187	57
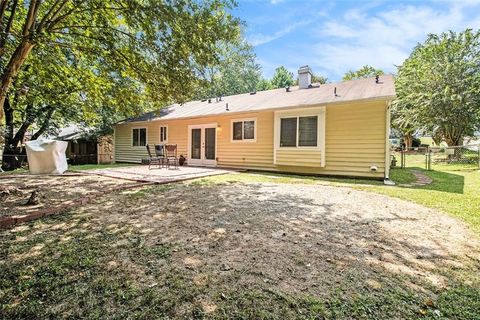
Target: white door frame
202	161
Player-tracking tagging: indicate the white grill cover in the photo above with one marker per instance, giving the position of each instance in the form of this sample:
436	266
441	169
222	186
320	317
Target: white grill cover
47	156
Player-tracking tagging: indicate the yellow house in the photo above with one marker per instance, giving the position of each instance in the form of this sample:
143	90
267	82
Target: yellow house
332	129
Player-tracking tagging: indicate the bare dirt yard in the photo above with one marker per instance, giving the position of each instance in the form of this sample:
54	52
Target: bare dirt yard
242	250
52	190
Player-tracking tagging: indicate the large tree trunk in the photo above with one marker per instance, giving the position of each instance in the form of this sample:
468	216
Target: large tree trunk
22	50
408	140
10	159
14	155
12	69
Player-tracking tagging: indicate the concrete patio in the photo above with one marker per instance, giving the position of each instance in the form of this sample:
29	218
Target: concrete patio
142	173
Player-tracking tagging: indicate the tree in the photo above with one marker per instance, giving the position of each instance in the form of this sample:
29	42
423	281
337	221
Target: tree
282	78
236	72
156	42
319	79
264	84
405	124
96	65
62	90
365	72
438	87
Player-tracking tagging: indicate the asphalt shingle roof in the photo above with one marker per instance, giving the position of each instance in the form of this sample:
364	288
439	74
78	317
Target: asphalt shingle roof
353	90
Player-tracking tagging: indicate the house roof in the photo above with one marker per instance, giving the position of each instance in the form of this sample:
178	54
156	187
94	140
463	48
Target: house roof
353	90
70	132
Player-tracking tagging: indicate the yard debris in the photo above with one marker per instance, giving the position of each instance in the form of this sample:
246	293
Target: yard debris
6	191
34	199
422	312
428	302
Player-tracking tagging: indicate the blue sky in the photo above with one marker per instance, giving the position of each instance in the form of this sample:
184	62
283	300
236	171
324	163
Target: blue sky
333	37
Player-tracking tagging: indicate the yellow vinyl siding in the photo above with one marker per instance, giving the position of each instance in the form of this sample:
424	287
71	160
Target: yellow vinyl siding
245	154
305	158
354	141
229	154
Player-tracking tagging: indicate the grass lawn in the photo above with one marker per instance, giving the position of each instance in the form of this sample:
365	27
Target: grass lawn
456	193
178	251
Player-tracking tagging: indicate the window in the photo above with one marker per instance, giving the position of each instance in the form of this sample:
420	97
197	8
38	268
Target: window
243	130
288	132
163	134
299	132
249	130
237	131
307	129
139	137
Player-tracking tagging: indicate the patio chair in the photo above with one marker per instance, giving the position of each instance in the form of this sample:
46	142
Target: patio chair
152	160
160	153
171	155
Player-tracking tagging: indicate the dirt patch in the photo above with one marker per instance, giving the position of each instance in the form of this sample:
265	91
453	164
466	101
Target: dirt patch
51	190
297	238
241	251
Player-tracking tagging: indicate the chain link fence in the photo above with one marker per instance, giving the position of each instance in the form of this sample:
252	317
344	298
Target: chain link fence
21	161
437	158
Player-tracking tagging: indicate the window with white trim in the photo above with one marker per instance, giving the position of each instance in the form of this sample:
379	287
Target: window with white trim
163	134
299	131
139	137
243	130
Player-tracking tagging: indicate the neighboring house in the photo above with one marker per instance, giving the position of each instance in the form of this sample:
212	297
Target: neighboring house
475	140
84	147
332	129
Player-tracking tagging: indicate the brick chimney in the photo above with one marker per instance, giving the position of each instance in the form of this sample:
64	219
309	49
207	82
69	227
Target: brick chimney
304	77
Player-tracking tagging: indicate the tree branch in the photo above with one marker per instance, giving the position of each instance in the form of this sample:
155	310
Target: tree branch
52	9
25	125
31	17
8	27
45	124
3	8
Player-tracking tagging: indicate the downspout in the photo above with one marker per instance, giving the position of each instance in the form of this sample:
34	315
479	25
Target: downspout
386	179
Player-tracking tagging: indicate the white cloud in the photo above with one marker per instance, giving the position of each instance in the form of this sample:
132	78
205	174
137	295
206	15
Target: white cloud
386	38
259	38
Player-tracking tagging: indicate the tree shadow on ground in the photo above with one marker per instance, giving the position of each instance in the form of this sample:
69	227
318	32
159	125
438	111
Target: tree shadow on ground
234	250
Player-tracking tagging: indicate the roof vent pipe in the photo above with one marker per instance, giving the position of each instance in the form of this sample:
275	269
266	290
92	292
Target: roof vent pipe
304	77
226	107
377	78
209	100
335	92
287	88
